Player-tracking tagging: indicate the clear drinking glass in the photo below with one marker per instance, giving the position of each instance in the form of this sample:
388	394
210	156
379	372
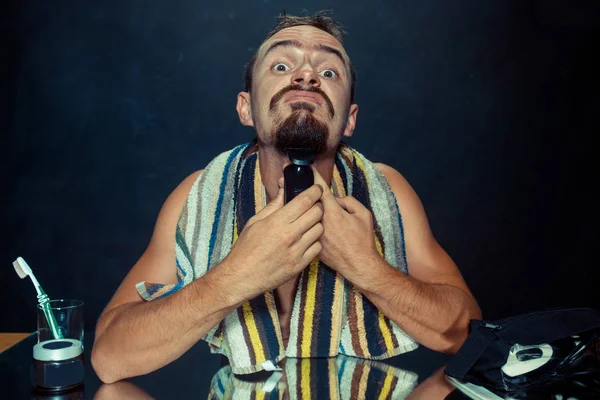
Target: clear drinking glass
68	315
58	355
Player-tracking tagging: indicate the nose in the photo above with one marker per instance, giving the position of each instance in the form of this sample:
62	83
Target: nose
306	77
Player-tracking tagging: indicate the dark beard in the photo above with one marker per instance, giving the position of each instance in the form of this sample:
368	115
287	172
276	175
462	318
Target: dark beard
301	130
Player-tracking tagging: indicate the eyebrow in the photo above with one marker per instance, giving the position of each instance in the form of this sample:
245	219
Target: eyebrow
297	44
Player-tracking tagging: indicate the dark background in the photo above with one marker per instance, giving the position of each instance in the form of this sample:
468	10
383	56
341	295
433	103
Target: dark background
487	107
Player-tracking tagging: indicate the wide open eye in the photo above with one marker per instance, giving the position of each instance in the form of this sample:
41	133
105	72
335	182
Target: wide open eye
281	67
329	73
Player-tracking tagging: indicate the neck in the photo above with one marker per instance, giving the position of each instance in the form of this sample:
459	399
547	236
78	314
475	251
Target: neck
272	162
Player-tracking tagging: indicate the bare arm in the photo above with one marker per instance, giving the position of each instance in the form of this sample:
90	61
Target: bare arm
433	303
436	315
134	337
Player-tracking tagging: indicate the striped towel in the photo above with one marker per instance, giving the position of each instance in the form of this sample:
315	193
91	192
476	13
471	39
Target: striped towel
329	316
330	378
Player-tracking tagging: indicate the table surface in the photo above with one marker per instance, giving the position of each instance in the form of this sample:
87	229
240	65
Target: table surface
199	374
9	339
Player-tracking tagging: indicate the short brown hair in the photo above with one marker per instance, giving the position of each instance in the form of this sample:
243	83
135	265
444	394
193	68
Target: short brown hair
320	20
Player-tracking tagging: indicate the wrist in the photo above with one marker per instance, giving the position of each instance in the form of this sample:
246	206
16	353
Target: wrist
368	272
222	285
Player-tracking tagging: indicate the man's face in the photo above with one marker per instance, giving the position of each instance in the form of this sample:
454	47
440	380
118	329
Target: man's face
300	95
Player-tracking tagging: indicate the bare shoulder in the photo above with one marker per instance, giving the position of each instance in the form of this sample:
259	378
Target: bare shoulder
390	173
427	261
176	200
419	239
182	191
402	190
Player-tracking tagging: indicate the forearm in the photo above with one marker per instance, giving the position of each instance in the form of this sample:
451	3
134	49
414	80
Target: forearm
138	338
435	315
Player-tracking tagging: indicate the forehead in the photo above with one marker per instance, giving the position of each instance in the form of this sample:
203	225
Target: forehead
309	36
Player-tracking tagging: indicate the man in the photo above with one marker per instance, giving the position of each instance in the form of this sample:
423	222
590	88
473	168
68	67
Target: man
299	93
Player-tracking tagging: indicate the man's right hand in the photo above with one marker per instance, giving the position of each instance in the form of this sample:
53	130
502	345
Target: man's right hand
276	244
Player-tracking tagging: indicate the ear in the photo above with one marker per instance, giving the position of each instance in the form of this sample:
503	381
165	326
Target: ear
351	124
243	109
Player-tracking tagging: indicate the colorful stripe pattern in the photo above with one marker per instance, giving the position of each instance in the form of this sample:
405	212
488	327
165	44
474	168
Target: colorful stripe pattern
329	316
341	377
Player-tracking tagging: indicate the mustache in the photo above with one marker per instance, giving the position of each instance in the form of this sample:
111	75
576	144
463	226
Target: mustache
312	89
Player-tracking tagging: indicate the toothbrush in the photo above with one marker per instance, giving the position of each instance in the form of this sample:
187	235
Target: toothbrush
23	270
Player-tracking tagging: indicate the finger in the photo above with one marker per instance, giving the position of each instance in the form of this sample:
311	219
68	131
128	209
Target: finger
301	203
311	253
351	205
327	199
310	236
307	220
275	204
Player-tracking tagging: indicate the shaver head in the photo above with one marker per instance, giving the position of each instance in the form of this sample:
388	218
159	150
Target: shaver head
301	156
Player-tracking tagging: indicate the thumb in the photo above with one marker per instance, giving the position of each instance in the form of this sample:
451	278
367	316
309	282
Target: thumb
275	204
327	199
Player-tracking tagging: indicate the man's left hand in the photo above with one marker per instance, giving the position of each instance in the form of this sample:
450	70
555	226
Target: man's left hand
348	240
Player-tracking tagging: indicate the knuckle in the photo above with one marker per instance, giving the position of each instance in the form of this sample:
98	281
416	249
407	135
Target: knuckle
298	267
320	228
318	211
289	237
306	201
259	223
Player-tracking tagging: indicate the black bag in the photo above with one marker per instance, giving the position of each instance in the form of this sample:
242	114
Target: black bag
532	353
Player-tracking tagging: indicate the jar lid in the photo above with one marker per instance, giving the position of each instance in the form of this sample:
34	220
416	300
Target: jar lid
57	350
